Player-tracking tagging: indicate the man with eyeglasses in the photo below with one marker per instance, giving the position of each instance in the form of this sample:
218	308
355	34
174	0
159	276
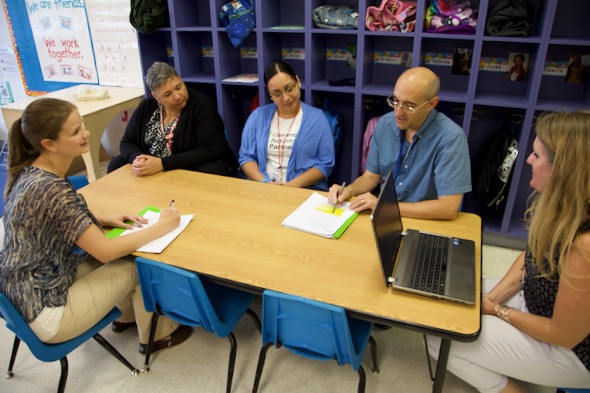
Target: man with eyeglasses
426	152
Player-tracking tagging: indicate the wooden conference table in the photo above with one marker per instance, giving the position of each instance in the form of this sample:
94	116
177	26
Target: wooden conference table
236	237
97	115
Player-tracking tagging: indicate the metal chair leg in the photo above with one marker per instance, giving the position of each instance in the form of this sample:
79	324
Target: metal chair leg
64	375
373	345
232	361
146	365
10	374
261	359
362	380
110	349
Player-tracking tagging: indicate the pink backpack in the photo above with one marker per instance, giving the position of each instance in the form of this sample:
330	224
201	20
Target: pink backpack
367	136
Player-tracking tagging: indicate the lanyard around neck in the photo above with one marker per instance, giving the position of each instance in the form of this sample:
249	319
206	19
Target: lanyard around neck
168	137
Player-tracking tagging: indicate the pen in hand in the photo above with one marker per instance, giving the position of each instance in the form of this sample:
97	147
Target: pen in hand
338	196
171	204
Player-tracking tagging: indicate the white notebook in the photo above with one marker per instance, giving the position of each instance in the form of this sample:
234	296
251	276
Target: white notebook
158	245
317	216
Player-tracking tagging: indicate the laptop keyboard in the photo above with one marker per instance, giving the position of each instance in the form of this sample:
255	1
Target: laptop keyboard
430	265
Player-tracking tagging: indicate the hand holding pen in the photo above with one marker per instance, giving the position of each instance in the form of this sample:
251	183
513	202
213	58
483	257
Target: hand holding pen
335	194
170	217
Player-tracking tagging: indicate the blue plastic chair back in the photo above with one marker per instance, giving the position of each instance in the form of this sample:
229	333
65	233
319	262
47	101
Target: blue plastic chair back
182	296
78	181
42	351
313	329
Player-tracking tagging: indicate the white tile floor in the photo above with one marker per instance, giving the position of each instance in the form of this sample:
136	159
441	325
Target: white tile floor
200	364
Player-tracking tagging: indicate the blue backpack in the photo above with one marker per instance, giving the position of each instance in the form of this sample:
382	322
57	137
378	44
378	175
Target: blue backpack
336	122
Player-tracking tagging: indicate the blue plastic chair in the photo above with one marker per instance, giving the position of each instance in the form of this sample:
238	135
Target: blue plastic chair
52	352
571	390
183	297
78	181
314	330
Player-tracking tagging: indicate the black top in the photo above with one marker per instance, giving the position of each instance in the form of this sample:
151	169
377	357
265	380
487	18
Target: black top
199	136
540	294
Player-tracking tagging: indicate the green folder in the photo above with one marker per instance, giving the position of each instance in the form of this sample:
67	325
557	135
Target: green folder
118	231
344	226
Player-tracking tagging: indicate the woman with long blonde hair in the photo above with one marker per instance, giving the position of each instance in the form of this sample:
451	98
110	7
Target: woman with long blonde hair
536	322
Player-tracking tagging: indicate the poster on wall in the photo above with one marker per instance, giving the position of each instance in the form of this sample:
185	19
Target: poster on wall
62	39
116	49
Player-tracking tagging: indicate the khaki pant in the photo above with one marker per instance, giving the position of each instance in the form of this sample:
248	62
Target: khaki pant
100	287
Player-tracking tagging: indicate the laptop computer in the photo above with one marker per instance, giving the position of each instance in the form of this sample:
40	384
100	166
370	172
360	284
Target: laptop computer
400	250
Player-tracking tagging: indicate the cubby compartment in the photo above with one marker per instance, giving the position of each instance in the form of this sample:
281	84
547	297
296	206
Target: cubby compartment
236	103
189	13
454	20
282	15
384	58
156	46
536	14
494	86
571	21
316	3
234	61
486	121
340	104
289	48
196	64
451	60
565	84
332	56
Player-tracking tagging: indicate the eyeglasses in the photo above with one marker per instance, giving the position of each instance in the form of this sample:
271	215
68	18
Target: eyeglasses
289	89
394	103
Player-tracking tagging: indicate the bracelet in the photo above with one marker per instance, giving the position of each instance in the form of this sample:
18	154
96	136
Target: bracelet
502	312
264	180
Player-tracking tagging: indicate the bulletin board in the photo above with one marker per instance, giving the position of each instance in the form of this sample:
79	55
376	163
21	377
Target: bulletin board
61	43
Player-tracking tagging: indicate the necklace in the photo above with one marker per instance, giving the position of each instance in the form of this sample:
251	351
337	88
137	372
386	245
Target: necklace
168	137
282	142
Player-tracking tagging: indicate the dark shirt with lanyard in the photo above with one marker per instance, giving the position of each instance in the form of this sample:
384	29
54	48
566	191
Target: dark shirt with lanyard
159	136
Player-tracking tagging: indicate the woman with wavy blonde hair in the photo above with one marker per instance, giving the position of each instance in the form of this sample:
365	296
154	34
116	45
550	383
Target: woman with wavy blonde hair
536	322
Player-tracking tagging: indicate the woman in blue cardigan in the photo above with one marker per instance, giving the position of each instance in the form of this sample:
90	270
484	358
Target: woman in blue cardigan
287	142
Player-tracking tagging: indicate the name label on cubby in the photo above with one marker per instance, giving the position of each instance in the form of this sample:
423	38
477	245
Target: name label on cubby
248	52
391	57
293	53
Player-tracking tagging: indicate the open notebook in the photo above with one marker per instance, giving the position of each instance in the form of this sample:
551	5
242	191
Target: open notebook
317	216
156	246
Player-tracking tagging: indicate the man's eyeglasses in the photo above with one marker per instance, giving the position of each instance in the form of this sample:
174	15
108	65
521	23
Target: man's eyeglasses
289	89
412	108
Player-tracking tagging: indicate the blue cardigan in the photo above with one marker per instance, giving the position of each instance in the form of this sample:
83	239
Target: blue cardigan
313	146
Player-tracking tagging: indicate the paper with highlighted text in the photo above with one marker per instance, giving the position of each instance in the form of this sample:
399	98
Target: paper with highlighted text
317	216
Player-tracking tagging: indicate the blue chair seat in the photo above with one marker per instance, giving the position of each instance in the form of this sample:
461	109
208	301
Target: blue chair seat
52	352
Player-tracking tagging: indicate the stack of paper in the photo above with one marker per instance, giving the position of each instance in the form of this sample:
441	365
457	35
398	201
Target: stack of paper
317	216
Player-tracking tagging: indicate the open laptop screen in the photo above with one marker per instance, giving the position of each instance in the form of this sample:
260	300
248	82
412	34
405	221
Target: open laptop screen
387	226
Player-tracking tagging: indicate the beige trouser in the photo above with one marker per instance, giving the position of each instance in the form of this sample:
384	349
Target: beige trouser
100	287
